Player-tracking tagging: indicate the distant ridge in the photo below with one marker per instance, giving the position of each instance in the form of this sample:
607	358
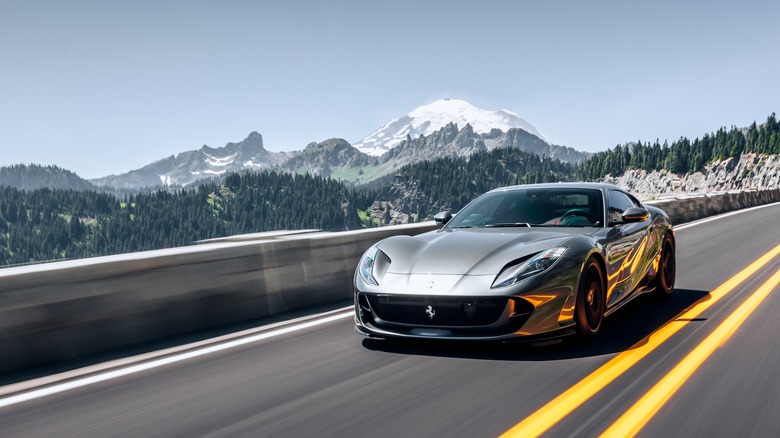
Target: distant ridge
204	163
33	176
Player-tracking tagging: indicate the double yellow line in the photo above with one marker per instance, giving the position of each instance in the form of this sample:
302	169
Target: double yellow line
636	417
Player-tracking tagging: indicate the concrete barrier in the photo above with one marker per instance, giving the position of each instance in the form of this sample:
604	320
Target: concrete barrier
686	208
66	310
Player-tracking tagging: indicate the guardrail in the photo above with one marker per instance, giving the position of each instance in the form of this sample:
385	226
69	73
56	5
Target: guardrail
66	310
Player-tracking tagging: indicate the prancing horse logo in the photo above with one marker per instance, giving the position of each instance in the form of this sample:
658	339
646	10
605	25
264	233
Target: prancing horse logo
430	312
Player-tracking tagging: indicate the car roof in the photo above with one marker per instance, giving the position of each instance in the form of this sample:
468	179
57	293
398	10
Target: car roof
561	185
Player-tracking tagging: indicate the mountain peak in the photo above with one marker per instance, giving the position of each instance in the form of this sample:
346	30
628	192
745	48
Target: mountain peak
427	119
447	106
254	139
254	135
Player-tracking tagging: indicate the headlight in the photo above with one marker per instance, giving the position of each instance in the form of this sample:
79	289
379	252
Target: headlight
366	266
535	265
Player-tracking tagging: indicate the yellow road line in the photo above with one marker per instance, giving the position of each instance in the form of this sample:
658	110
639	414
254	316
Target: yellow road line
633	420
561	406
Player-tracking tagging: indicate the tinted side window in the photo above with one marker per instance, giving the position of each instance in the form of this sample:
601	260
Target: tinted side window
618	203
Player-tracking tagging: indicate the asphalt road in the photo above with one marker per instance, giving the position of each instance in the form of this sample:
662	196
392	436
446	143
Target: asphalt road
325	380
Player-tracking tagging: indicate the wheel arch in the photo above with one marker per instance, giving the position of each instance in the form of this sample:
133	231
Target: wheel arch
599	256
670	232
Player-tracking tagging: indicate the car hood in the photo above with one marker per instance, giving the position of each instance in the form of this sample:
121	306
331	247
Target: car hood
467	251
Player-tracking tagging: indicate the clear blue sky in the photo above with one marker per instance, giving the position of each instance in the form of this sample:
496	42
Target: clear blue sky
101	87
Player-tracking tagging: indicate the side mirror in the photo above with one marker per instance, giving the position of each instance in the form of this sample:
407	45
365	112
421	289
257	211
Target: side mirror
635	214
442	218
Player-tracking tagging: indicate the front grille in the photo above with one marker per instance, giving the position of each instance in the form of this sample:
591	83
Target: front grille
437	311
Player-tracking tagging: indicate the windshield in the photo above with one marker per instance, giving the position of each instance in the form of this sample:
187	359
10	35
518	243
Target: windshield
533	207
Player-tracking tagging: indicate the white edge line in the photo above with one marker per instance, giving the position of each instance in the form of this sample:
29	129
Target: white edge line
102	377
721	216
130	360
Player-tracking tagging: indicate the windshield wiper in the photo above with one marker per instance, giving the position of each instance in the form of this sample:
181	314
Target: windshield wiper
508	224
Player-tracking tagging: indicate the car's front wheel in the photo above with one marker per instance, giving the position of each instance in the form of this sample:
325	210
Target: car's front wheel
591	300
667	269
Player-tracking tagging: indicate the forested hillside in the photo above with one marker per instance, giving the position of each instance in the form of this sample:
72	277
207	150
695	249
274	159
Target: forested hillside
421	190
33	176
684	155
49	224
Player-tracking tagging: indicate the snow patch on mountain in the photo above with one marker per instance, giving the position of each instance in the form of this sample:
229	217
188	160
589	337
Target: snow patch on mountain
427	119
212	160
252	165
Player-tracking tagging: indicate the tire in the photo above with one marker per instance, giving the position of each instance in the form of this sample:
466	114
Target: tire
667	269
591	300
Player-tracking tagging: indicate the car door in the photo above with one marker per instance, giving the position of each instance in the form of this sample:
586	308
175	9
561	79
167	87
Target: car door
626	249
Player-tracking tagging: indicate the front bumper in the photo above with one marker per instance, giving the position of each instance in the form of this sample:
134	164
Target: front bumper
476	318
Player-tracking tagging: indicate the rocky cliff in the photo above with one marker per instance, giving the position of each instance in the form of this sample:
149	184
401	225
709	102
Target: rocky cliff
745	172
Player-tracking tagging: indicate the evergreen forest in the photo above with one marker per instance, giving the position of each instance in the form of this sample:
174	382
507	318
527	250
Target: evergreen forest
684	156
451	183
44	224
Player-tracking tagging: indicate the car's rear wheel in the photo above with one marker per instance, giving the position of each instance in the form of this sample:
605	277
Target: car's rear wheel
667	269
591	300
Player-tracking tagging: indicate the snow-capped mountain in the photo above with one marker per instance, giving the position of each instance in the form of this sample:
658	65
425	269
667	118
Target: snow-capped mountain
427	119
454	141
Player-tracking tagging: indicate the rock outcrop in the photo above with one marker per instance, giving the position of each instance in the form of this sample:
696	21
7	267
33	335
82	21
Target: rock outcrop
746	172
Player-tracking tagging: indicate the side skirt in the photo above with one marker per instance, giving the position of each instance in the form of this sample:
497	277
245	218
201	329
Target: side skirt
630	297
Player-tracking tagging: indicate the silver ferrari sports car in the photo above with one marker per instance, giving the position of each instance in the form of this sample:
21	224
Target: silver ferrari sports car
525	262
